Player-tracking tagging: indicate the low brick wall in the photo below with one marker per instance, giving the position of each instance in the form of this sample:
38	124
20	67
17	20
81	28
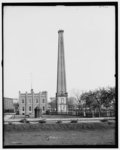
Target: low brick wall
67	126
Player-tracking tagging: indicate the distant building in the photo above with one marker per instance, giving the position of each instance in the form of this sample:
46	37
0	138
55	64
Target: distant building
15	100
8	105
32	103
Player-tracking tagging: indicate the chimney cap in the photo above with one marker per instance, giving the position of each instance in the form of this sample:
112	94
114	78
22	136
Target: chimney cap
60	31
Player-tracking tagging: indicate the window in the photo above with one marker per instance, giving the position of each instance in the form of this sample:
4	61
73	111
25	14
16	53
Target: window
22	100
62	100
43	100
29	108
43	108
36	100
23	108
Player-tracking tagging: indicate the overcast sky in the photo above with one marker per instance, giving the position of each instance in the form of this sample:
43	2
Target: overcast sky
31	47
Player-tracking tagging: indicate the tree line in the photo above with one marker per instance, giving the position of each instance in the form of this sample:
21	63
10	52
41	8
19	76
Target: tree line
93	102
96	100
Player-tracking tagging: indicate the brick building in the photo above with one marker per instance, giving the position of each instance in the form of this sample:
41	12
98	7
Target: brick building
8	105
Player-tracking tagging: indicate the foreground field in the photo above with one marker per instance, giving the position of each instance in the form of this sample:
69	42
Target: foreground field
60	134
86	137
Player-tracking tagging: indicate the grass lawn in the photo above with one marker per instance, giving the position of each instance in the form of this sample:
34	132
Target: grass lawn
69	137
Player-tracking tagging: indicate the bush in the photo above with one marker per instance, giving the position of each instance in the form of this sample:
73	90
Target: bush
9	111
47	112
24	121
110	123
42	121
10	123
104	120
74	121
59	121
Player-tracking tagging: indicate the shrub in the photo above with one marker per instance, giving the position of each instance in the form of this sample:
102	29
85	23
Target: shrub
10	123
74	121
59	121
104	120
42	121
110	123
24	121
47	112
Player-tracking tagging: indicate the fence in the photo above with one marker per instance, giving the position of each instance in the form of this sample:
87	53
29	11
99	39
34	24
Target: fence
88	114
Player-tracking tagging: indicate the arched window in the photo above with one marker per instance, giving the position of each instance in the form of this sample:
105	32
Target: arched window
22	100
23	108
29	108
43	108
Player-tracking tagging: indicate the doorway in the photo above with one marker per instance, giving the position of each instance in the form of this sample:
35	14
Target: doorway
37	112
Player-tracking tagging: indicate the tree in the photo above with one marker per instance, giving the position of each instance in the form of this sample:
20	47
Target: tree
79	102
90	101
72	102
53	105
107	98
112	95
16	107
102	97
97	98
85	101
